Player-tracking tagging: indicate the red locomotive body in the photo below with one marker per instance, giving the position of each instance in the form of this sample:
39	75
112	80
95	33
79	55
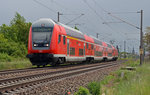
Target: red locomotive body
54	43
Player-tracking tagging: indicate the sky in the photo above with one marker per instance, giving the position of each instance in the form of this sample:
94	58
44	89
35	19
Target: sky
95	19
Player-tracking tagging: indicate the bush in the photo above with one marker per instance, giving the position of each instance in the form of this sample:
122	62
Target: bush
94	88
21	51
82	91
5	57
13	49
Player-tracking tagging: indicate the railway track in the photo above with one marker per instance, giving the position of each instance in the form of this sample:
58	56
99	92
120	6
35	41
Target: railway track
20	82
31	71
2	72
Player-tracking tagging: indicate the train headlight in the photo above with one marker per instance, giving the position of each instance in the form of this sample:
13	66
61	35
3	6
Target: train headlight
35	45
46	45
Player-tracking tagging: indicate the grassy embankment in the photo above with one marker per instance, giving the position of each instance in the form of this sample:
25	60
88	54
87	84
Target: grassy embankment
125	82
18	63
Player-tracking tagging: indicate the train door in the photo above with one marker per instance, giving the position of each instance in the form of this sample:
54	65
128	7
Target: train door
104	51
64	49
67	47
84	50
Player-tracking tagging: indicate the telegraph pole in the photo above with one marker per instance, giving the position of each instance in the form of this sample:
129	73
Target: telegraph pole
141	33
124	49
97	34
58	16
141	39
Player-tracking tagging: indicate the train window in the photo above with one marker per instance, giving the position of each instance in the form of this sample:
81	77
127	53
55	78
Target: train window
95	52
59	38
87	45
109	46
100	43
91	46
109	54
64	40
98	53
72	51
80	52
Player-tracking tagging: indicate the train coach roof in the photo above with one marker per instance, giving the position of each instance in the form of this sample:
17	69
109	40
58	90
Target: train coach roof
88	38
73	32
97	41
43	21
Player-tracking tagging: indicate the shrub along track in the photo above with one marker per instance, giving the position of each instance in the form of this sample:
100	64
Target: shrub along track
17	83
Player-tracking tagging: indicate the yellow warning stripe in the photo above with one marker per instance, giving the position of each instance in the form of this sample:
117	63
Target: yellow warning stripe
72	38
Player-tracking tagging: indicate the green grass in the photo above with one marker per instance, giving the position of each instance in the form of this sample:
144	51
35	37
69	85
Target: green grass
122	82
131	83
15	64
132	62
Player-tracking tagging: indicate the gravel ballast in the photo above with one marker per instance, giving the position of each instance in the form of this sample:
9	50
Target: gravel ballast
70	84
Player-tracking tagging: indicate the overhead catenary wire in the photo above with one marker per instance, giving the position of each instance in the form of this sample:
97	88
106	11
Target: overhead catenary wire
109	13
99	16
45	6
54	11
60	5
72	14
124	12
74	19
133	25
123	21
115	17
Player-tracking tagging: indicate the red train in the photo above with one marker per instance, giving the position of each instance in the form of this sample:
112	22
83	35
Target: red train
53	43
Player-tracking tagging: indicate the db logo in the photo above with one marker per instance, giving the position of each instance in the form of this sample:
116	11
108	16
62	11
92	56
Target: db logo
79	44
40	51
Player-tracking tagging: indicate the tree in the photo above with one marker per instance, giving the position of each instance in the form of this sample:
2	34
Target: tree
76	28
112	42
17	31
21	28
147	40
117	48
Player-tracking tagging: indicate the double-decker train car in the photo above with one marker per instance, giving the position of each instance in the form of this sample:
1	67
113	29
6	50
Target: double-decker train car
53	43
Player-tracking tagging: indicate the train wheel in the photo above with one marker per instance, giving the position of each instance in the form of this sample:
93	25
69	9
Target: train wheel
54	64
38	66
60	61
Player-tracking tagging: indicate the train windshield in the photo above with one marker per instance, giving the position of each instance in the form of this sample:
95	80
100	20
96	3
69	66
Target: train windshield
41	34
